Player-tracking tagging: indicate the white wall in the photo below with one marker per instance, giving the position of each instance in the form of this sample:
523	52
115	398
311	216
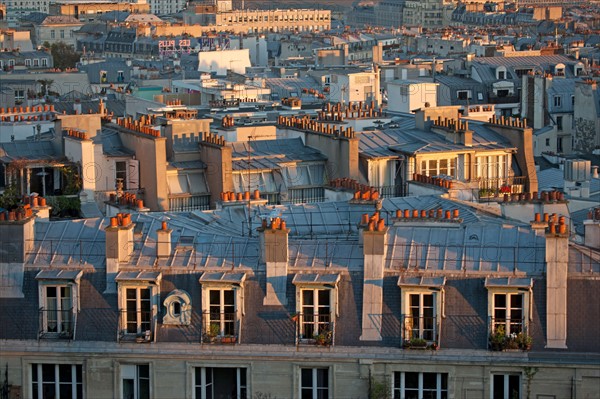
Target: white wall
221	61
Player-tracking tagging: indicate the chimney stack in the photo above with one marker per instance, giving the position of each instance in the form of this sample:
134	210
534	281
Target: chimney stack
592	229
119	246
274	253
163	241
374	250
557	259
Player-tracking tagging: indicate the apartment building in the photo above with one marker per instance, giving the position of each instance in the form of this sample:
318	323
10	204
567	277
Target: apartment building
419	296
256	21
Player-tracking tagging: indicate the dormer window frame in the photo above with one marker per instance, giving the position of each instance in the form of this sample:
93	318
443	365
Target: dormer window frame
58	293
138	299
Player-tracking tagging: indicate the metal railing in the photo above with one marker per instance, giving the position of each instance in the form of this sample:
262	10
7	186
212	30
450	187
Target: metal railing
220	328
420	328
189	202
306	195
397	190
314	329
135	325
498	186
56	323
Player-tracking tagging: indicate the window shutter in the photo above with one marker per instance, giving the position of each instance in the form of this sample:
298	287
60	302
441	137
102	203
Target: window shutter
133	178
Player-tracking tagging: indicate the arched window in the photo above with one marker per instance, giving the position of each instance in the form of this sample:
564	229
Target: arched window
178	308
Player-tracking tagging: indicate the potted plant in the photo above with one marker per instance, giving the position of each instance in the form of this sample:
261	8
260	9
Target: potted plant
214	329
498	339
418	343
511	342
324	338
433	346
524	341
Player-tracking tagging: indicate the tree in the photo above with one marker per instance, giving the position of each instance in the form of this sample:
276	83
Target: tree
64	55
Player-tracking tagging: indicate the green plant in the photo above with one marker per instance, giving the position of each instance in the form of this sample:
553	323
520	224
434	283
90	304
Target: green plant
530	372
324	338
418	342
498	338
524	341
214	329
379	389
10	198
64	206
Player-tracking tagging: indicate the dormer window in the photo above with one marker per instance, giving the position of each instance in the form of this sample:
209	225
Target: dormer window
559	70
59	302
501	73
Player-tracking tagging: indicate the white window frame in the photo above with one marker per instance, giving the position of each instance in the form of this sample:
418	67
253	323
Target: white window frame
451	166
238	305
316	323
38	392
399	392
409	327
132	372
506	378
59	312
154	297
493	166
314	386
241	389
525	309
557	101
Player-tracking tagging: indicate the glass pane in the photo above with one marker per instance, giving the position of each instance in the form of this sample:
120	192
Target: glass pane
411	380
145	293
444	381
66	391
144	371
500	300
322	378
516	301
34	375
324	298
228	297
214	297
414	300
144	389
428	300
198	376
498	387
130	293
48	373
514	387
306	393
48	391
306	375
307	297
64	373
429	380
51	292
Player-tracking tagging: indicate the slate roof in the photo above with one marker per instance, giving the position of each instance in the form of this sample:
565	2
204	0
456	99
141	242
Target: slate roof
271	154
406	139
28	150
112	146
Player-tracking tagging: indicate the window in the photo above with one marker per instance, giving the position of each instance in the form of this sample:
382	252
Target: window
222	306
506	386
557	101
508	312
135	380
138	309
547	142
463	94
58	381
315	312
559	123
420	321
44	62
501	75
62	34
36	62
436	167
503	93
27	62
220	382
58	310
314	383
121	172
411	385
19	95
492	166
52	34
120	76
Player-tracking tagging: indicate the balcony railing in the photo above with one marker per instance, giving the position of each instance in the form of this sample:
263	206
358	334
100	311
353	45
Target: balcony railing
138	326
306	195
189	202
314	329
220	328
498	186
58	324
398	190
423	330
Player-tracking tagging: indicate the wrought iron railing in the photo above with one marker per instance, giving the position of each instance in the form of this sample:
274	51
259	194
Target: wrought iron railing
498	186
136	325
397	190
189	202
314	329
56	323
416	328
306	195
220	328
